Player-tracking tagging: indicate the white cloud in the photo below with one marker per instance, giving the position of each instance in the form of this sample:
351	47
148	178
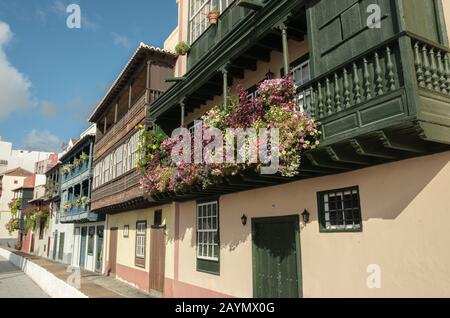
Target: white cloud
49	109
42	141
15	87
121	40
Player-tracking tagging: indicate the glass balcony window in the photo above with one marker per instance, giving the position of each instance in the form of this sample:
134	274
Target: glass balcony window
199	10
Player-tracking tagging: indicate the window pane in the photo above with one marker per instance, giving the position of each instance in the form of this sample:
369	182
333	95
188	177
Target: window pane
341	210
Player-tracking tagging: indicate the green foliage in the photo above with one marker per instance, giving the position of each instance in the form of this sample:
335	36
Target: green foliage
274	108
182	48
15	206
13	225
84	157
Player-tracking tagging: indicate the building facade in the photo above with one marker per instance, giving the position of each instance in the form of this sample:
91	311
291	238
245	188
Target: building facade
75	208
9	181
365	201
11	158
116	188
61	237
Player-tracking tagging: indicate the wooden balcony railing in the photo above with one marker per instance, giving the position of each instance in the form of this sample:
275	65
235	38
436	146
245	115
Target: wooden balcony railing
122	124
432	65
363	79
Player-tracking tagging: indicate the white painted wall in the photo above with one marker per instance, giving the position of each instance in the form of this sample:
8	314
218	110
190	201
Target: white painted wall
20	158
68	230
9	183
49	283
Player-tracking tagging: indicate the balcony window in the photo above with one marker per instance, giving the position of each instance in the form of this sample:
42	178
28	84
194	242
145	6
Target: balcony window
106	168
118	169
199	10
125	158
301	73
134	145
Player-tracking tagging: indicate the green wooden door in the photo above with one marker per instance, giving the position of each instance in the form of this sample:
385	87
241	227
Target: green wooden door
276	258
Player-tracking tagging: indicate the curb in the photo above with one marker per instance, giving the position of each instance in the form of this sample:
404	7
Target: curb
49	283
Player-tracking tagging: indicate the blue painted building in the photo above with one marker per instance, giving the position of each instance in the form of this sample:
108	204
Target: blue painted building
76	188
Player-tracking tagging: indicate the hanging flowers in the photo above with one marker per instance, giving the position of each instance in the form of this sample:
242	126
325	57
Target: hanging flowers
273	109
14	206
13	225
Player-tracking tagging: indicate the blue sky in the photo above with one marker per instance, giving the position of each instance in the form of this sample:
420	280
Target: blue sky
51	77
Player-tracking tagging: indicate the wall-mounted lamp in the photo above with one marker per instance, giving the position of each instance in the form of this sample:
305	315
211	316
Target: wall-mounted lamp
305	216
244	219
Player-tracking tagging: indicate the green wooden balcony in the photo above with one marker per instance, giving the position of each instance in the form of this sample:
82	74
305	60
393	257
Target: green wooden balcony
229	21
381	95
389	103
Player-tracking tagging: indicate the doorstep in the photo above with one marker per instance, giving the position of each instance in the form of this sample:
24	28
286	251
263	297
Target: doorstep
93	285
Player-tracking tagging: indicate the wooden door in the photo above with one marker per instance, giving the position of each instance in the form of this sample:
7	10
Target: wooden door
48	247
99	249
32	244
83	239
61	246
157	258
276	257
55	245
112	257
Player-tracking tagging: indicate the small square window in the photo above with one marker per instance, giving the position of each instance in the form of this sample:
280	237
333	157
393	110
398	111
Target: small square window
340	210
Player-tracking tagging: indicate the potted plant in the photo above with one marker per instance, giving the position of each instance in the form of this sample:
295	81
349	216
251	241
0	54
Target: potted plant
84	202
12	226
84	157
182	48
213	16
68	205
77	163
67	168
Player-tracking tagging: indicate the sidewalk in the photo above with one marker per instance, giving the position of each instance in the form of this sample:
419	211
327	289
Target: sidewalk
93	285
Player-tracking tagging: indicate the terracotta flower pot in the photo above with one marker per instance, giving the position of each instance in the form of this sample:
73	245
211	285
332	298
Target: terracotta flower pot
213	17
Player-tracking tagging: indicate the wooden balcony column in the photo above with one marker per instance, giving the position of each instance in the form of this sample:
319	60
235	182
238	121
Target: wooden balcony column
116	110
284	37
148	81
130	90
225	86
91	155
105	124
183	110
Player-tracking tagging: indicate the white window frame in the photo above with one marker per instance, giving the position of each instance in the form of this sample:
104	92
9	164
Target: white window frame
198	17
106	168
118	168
125	158
206	233
326	210
134	149
141	237
301	66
